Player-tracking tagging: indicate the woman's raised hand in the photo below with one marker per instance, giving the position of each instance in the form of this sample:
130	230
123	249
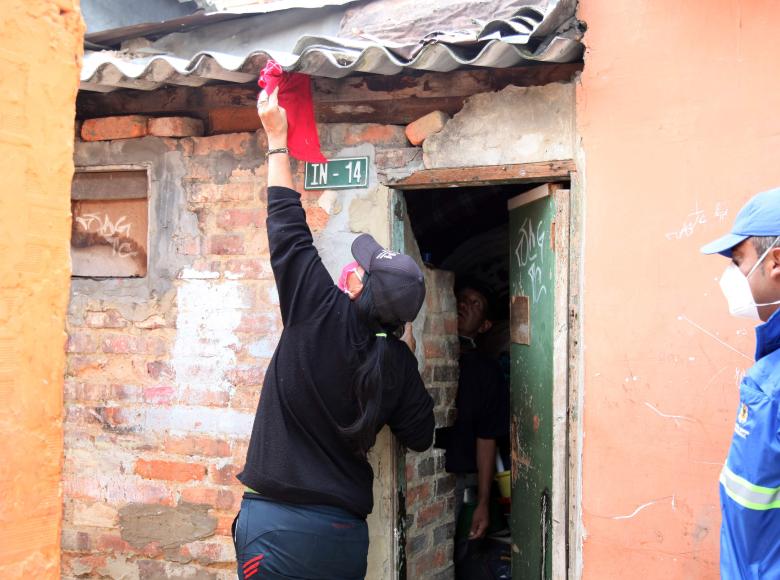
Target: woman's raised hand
273	117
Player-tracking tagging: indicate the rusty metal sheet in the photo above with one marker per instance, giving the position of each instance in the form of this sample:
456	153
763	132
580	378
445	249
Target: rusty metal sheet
109	238
235	50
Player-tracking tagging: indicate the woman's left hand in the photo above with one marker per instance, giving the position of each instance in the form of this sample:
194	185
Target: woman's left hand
408	337
274	119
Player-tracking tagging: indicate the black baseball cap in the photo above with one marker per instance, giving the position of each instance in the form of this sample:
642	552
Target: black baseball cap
397	283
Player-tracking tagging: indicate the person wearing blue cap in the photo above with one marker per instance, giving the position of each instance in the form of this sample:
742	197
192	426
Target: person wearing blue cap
750	479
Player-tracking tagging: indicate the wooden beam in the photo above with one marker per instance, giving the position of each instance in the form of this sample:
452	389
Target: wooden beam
395	100
486	175
459	83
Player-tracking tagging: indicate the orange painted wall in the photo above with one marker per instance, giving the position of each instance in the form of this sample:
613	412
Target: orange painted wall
40	56
679	118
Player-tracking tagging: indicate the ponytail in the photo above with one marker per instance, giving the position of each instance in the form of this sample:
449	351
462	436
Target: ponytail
374	373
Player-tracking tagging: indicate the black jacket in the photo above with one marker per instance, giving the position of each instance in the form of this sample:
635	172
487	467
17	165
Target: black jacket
297	453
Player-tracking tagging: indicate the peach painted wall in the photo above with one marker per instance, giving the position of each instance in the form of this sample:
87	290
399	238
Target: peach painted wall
40	57
679	118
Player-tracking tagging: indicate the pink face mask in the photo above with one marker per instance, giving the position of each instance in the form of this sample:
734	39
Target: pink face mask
345	272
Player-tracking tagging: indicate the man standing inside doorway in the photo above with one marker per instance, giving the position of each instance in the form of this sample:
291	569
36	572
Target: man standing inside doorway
482	407
750	480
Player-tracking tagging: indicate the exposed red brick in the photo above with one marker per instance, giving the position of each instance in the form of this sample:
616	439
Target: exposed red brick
130	344
317	218
419	130
158	369
225	475
247	375
113	543
83	565
379	135
219	498
82	392
81	366
188	245
81	342
197	445
169	470
108	128
233	119
434	348
259	323
428	562
225	244
215	192
205	552
234	219
159	395
154	322
418	493
224	524
73	541
107	319
175	127
245	397
112	417
410	470
206	398
248	269
120	344
234	143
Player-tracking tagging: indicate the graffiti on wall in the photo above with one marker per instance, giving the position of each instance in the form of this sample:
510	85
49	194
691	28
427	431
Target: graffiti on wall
109	238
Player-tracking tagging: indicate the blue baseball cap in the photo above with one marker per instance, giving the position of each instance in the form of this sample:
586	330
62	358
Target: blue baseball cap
759	217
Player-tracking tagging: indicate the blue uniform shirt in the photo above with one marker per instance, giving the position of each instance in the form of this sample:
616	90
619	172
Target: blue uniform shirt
750	480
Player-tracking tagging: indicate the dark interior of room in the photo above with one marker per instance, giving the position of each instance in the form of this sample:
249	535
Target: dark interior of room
465	230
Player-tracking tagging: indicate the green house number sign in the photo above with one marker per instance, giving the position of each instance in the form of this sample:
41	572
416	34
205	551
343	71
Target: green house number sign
346	173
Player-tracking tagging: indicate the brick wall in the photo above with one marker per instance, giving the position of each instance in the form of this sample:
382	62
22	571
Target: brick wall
429	491
160	394
164	373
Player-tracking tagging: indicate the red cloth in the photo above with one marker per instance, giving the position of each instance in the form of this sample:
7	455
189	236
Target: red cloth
295	97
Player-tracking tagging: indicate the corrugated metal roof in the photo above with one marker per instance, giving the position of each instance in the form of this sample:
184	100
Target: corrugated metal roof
152	28
255	6
236	50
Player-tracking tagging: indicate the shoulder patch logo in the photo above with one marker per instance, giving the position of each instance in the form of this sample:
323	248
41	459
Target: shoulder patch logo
743	414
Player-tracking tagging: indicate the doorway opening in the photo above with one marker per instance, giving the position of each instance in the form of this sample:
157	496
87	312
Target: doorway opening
512	239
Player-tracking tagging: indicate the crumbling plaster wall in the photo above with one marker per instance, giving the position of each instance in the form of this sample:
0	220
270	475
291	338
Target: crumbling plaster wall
164	373
40	57
514	125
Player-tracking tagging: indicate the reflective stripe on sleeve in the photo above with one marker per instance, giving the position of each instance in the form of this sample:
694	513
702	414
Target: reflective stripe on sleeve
746	494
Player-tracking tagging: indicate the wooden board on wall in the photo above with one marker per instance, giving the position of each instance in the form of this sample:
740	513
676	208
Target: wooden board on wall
394	100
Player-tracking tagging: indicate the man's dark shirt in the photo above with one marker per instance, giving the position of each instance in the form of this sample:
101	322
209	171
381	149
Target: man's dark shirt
482	405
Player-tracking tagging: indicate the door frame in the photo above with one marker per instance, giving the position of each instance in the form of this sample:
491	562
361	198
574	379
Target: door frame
567	343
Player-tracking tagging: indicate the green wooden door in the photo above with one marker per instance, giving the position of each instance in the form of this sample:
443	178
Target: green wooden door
534	276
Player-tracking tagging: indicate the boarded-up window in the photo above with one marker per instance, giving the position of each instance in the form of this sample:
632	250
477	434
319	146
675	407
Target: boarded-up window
110	224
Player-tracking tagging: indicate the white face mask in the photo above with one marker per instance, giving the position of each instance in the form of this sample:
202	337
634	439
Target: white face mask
736	288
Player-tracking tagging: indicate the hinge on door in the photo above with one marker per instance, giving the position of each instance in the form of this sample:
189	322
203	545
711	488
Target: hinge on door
398	210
